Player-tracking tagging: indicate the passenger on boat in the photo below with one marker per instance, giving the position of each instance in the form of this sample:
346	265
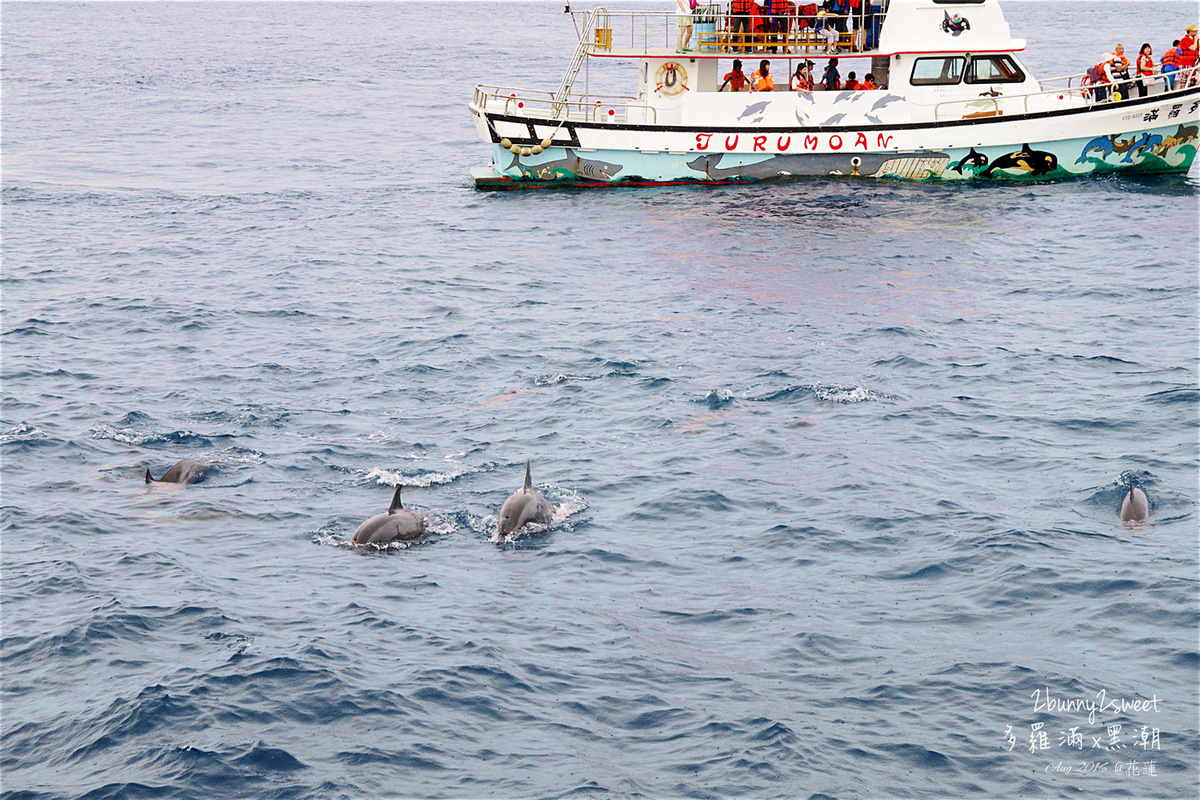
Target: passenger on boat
831	37
1121	71
825	12
831	79
776	11
1103	77
1145	68
841	8
802	81
1188	52
683	20
851	83
735	79
761	79
868	83
1170	63
740	12
854	14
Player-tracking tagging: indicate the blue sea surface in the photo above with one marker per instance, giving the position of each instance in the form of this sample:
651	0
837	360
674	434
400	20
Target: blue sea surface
835	464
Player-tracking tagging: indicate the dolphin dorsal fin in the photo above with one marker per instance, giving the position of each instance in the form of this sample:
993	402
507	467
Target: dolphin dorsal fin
396	504
148	478
1129	482
528	479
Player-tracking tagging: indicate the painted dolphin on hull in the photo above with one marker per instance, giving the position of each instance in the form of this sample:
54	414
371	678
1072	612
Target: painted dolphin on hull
1135	507
521	508
184	471
751	110
395	524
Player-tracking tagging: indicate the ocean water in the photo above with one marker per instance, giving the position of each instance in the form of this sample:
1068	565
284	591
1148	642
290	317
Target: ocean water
835	465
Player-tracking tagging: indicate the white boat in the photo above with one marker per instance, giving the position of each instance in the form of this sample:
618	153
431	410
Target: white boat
956	103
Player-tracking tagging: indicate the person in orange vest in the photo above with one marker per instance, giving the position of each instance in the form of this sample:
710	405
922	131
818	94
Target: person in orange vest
735	79
761	80
851	83
740	12
802	81
1103	84
1145	68
1170	63
1188	52
868	83
831	77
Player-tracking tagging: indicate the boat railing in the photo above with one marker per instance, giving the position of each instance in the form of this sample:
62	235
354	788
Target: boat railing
1074	87
554	108
717	30
1170	80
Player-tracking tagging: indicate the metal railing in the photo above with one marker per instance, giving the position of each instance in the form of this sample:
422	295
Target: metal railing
714	30
541	104
1075	87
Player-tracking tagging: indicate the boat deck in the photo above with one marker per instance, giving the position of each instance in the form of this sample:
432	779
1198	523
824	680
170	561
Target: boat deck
626	34
724	44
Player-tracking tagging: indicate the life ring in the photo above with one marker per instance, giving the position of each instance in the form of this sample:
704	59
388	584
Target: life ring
671	79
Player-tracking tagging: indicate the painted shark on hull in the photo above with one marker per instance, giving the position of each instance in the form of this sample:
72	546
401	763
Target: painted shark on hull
570	167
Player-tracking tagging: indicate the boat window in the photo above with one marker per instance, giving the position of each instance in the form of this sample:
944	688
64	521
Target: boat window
941	71
994	69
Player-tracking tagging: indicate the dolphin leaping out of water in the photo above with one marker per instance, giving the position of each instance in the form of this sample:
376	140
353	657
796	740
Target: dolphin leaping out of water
1135	507
395	524
185	471
522	507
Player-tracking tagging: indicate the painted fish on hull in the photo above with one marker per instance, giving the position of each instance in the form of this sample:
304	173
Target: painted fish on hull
1182	135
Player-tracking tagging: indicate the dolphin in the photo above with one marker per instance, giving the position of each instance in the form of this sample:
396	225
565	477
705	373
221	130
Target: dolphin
395	524
1148	140
522	507
1135	507
1102	143
185	471
883	101
834	120
751	110
844	95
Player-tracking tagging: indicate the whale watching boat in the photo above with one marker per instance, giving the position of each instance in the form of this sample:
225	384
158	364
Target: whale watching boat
955	102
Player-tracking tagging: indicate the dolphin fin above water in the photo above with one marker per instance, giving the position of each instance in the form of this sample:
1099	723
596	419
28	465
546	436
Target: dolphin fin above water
1135	507
186	470
395	524
521	508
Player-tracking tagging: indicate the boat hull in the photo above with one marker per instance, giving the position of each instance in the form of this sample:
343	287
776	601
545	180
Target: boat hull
1157	135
